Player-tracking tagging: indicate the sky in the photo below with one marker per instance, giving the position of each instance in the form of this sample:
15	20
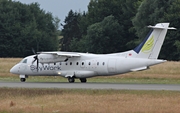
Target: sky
60	8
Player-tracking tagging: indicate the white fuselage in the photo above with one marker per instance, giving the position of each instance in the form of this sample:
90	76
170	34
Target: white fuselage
88	65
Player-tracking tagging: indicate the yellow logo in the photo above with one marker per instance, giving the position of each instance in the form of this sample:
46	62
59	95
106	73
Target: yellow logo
148	45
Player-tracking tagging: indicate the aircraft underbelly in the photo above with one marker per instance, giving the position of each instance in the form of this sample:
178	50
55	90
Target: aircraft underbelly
85	74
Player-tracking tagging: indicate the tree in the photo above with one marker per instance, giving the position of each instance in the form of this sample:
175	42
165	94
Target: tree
103	37
70	30
122	11
24	27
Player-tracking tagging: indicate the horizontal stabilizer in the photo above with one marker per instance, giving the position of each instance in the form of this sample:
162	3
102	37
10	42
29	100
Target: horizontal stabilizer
160	26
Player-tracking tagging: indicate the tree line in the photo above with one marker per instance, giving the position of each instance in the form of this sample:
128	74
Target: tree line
23	27
108	26
118	25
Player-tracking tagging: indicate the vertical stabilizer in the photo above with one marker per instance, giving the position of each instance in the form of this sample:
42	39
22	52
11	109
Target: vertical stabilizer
152	44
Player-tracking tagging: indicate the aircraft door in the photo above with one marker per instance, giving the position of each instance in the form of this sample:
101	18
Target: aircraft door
111	66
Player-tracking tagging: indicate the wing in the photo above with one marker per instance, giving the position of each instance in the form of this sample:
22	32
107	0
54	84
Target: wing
53	57
63	54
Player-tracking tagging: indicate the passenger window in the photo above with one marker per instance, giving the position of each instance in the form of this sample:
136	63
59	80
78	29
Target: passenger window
82	63
77	63
103	63
97	63
66	63
89	63
70	63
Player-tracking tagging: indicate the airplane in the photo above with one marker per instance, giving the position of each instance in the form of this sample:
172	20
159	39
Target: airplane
74	65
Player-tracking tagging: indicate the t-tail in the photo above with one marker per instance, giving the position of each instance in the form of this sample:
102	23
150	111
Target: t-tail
151	46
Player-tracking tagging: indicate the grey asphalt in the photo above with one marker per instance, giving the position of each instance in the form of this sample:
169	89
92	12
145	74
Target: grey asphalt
116	86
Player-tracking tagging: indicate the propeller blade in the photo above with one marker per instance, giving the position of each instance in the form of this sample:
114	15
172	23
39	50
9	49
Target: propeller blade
37	63
66	59
33	51
35	59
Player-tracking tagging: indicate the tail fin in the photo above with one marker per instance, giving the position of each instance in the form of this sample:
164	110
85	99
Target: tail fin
152	44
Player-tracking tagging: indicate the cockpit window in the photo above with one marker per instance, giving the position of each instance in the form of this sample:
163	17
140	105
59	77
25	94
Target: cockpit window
24	61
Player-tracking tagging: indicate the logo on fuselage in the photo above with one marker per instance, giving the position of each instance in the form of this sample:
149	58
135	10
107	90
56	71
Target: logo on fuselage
44	68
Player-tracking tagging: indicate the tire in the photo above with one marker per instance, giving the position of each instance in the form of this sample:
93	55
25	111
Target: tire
22	79
83	80
71	80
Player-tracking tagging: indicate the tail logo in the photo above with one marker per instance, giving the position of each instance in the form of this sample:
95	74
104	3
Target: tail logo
148	45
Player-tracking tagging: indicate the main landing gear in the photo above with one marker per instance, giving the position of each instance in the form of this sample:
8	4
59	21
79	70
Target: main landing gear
72	80
83	80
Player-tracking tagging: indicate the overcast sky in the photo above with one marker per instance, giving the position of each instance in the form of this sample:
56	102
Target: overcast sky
60	8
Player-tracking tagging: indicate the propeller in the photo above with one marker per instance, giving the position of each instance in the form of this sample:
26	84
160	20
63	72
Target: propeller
35	59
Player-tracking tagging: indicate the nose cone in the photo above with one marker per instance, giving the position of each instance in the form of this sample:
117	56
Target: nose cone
14	70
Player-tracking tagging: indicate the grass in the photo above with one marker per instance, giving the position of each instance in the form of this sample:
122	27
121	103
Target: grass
166	73
87	101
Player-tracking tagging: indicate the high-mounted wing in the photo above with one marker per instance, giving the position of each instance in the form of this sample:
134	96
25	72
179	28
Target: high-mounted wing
53	57
64	54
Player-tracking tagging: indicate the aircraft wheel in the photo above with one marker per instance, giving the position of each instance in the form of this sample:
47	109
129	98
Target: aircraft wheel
23	79
71	80
83	80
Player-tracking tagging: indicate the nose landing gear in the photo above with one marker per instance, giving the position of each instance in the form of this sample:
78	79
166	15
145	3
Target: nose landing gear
23	78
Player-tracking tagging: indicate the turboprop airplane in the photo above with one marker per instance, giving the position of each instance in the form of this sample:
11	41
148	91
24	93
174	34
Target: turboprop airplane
74	65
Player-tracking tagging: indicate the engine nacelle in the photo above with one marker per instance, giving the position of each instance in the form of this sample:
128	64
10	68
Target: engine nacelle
49	58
